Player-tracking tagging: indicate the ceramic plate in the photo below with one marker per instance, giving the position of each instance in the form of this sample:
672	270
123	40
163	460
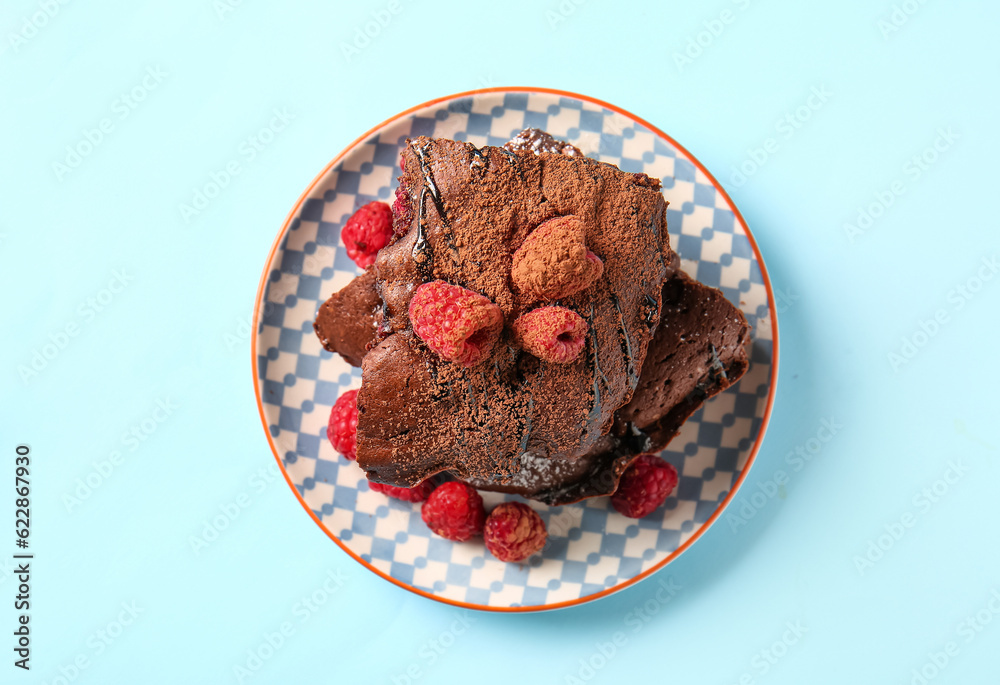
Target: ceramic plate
592	550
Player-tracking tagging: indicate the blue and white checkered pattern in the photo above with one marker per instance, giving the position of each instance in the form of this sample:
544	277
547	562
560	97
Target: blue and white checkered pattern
591	547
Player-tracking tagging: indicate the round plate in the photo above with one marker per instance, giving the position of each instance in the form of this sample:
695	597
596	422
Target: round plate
592	550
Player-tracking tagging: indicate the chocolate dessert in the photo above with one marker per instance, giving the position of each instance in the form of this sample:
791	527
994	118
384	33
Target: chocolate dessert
527	327
697	352
345	323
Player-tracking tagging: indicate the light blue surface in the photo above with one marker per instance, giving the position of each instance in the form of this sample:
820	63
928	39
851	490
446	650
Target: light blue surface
177	332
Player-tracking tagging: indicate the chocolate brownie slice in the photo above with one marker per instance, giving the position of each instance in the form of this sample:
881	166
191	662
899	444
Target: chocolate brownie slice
467	211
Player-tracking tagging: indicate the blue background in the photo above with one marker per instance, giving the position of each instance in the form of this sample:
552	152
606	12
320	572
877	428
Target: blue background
819	554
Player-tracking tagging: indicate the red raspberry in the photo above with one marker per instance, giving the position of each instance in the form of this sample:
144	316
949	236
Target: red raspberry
554	261
366	232
402	209
342	430
553	334
457	324
514	532
454	511
644	486
417	494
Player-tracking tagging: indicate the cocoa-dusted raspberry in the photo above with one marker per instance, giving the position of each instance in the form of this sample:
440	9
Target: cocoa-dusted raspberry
513	532
414	494
366	232
553	334
554	262
454	511
644	486
457	324
342	429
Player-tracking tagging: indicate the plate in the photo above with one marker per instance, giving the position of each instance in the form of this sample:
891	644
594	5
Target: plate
592	550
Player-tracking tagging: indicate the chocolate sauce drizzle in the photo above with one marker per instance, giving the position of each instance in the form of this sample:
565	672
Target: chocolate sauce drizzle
425	170
716	376
422	252
716	368
601	478
523	446
478	158
650	316
626	344
655	230
431	188
595	406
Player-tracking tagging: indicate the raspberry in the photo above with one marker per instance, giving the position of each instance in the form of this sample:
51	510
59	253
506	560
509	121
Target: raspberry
454	511
417	494
644	486
342	430
402	209
514	532
457	324
554	261
553	334
366	232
